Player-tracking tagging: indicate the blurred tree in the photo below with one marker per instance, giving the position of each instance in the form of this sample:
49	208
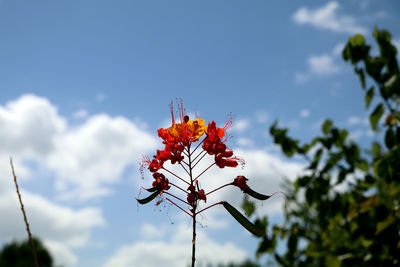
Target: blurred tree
19	254
344	211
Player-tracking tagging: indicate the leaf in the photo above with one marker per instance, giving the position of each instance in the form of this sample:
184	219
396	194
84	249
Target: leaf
326	127
369	96
382	225
361	74
248	207
390	138
376	115
243	220
149	198
256	195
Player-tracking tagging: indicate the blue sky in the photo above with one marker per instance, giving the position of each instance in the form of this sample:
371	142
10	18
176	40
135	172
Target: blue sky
85	85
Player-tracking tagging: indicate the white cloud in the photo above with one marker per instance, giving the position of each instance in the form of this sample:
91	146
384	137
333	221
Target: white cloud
354	120
84	158
304	113
61	254
240	125
244	142
29	126
80	114
262	116
327	18
322	64
151	231
96	153
176	251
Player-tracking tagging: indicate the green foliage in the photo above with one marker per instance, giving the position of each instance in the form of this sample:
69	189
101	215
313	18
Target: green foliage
18	254
358	225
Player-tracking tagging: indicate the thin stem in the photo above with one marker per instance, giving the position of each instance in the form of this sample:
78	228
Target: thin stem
209	207
198	155
176	197
184	168
218	188
35	259
204	171
179	207
180	188
175	175
186	154
194	239
197	146
200	159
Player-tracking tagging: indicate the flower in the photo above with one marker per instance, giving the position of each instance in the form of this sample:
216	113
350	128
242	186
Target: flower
241	182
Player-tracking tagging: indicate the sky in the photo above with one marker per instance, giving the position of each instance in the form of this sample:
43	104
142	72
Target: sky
85	84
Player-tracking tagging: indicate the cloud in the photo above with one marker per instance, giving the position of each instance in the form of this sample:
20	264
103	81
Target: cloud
321	65
80	114
95	154
304	113
176	251
29	126
327	18
240	125
354	120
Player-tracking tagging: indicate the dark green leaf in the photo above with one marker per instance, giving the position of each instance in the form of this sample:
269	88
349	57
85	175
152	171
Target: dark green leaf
256	195
326	127
390	138
376	115
369	96
149	198
243	220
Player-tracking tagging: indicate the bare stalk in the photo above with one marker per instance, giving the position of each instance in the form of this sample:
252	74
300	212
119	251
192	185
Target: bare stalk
35	259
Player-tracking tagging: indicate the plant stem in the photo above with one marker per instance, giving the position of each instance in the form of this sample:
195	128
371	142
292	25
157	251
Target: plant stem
35	259
194	239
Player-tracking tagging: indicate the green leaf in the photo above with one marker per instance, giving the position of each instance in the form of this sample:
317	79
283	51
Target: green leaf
369	96
326	127
256	195
376	149
361	74
149	198
243	220
382	225
363	165
390	138
376	115
248	207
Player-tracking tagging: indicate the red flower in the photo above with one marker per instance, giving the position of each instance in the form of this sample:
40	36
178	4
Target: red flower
241	182
161	183
201	195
